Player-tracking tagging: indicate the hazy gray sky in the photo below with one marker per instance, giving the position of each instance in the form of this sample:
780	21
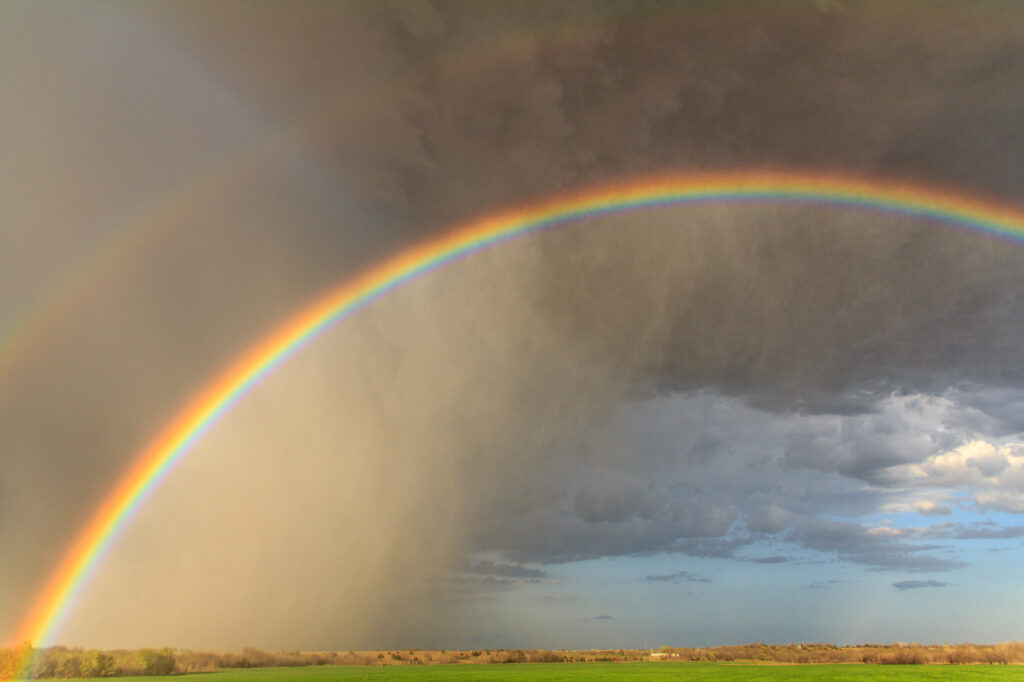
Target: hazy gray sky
673	426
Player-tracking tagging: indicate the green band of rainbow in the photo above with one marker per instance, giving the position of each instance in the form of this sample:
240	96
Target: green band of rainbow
173	442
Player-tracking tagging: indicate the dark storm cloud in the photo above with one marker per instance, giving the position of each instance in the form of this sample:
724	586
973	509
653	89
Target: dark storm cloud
794	314
434	112
616	498
569	92
565	94
769	559
1006	406
389	121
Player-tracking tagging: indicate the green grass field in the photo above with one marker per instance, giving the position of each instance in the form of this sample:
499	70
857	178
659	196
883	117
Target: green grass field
536	672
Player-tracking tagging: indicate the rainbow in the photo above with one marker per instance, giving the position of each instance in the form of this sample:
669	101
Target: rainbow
158	458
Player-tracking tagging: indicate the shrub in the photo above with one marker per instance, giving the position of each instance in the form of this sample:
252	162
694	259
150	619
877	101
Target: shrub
69	665
905	656
544	656
156	662
97	664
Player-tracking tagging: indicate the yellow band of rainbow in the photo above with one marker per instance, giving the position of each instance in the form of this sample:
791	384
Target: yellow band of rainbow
58	595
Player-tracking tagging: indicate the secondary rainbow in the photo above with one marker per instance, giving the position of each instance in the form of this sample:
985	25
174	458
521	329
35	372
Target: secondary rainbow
58	595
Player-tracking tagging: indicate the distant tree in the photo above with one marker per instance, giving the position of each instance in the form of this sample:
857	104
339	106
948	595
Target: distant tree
69	664
12	658
97	664
44	664
156	662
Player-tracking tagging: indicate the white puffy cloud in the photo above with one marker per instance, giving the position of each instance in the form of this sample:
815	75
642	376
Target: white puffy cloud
993	472
929	508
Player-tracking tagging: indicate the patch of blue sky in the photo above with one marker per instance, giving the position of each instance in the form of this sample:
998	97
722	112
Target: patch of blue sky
675	599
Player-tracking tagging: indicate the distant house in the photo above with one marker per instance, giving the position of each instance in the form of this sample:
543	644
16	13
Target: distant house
660	655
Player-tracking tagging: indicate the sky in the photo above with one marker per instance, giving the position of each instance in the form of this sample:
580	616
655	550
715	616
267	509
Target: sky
674	426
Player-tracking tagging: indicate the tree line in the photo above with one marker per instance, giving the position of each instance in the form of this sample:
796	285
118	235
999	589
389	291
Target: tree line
64	663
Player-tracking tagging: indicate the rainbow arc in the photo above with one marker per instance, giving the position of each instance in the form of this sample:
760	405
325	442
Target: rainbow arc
56	599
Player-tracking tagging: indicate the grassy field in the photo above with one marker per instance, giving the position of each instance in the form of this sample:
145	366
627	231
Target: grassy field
536	672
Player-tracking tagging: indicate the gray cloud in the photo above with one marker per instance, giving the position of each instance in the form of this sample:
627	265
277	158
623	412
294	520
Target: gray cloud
486	567
959	531
878	548
917	584
680	577
980	533
615	499
742	495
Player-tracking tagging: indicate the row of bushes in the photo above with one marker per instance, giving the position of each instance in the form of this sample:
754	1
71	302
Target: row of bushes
894	654
63	663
